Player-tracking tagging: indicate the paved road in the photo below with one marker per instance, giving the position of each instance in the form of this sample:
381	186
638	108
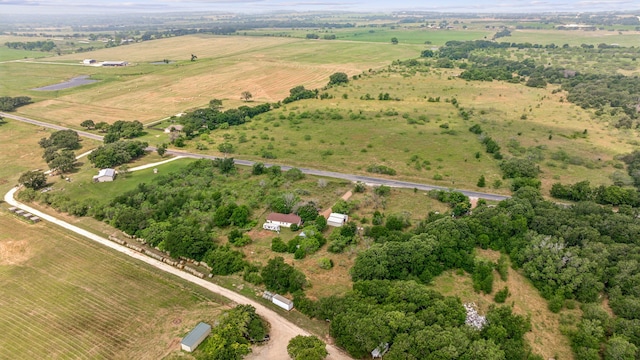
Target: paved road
282	330
331	174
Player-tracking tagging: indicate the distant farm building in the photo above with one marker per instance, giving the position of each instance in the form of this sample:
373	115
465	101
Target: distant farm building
114	63
88	61
285	220
282	301
271	227
105	175
337	220
171	128
195	337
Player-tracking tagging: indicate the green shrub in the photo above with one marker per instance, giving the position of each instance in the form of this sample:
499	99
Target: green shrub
501	296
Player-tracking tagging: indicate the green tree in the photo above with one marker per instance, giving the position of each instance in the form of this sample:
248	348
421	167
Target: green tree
338	78
394	40
226	148
482	182
307	348
619	348
281	277
215	104
33	179
63	161
88	124
162	149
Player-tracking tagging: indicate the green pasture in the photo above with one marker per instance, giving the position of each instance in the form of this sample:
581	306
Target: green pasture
574	37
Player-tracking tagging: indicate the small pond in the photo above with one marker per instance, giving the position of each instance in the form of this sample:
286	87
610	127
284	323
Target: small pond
76	81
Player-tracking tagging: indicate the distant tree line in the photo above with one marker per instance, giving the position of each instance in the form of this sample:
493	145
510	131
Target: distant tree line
44	45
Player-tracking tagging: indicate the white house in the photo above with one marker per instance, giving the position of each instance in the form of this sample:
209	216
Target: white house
88	61
337	220
285	220
282	301
271	227
105	175
195	337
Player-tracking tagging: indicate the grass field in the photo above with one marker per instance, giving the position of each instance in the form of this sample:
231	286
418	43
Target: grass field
226	66
65	297
545	337
348	135
574	37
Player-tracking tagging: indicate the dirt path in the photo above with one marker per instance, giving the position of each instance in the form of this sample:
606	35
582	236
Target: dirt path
282	330
344	197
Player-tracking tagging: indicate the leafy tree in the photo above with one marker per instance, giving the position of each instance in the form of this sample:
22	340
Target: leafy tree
162	149
279	246
246	96
299	93
342	207
427	53
88	124
307	348
281	277
320	223
226	148
117	153
63	161
33	179
394	40
619	348
294	174
519	168
224	261
338	78
308	212
62	139
11	103
482	182
215	104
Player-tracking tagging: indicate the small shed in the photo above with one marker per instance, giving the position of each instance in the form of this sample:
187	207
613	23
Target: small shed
190	342
88	61
285	220
337	220
271	227
282	301
35	219
171	128
105	175
13	209
380	350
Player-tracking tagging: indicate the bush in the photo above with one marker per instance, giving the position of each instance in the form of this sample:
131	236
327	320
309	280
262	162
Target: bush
294	227
501	296
381	169
325	263
279	246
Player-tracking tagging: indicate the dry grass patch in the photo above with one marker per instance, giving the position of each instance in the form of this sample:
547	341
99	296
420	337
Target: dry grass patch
545	337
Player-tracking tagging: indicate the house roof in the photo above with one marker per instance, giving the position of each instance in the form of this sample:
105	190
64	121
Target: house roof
338	217
107	172
196	334
287	218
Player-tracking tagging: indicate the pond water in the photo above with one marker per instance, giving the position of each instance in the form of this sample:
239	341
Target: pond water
76	81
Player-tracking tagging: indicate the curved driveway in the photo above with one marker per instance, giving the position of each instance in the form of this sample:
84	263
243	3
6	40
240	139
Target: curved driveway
282	330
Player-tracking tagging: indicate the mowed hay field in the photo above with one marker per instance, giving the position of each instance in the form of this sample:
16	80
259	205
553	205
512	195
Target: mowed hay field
226	66
65	297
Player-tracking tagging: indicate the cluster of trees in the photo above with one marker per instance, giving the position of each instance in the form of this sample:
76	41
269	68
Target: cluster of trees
232	337
301	246
307	348
459	202
58	150
42	45
8	103
491	146
117	153
417	322
33	179
583	191
201	121
122	130
300	93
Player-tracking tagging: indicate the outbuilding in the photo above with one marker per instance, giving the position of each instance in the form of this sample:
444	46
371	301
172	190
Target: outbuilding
271	227
337	220
285	220
105	175
114	63
190	342
88	61
380	350
282	301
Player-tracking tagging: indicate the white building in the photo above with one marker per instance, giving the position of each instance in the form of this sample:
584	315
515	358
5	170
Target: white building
282	301
337	220
105	175
88	61
271	227
285	220
195	337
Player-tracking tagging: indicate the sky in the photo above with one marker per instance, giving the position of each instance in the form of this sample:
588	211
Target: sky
252	6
